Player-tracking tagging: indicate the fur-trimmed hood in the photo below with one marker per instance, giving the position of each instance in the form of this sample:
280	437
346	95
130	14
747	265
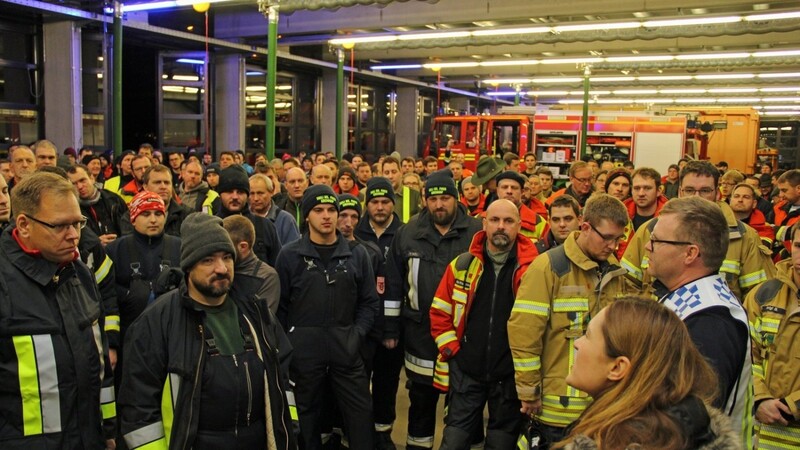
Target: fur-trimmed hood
727	438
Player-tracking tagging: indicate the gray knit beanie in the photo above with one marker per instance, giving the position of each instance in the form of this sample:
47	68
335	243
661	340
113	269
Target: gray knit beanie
201	236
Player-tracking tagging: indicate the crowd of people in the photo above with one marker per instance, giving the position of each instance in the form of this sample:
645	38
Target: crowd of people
241	302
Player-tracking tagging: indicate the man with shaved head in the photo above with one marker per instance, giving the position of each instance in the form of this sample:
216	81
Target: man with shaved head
296	183
485	280
321	174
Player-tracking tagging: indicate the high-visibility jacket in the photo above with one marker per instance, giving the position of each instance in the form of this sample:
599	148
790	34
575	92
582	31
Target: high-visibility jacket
456	295
560	292
747	262
533	226
407	203
774	317
56	384
165	355
765	231
629	230
783	218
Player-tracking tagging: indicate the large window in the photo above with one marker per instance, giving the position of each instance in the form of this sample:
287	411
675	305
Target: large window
95	91
370	117
182	101
20	85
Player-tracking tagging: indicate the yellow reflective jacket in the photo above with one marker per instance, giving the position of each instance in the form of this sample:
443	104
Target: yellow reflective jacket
746	265
560	292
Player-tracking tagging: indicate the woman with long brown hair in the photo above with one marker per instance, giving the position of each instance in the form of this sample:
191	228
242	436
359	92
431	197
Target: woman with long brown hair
650	384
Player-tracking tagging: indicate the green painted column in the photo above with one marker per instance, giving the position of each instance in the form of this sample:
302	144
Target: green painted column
585	119
117	82
272	79
518	88
339	101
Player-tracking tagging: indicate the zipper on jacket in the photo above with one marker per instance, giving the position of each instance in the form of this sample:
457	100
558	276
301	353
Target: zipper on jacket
196	381
238	398
278	381
249	392
491	320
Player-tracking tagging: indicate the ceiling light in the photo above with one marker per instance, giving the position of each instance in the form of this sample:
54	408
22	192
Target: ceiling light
780	99
521	62
501	94
654	100
611	79
546	93
255	88
780	75
614	101
149	6
595	93
777	53
596	26
572	61
738	100
665	78
557	80
682	91
641	14
573	102
695	100
694	21
451	65
498	81
363	40
397	66
190	61
511	31
185	78
635	92
781	89
773	16
732	90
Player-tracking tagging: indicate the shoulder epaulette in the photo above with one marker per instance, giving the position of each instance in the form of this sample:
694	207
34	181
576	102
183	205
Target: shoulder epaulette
768	290
559	261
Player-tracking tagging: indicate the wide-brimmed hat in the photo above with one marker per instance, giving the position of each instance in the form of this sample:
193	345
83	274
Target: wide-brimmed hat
488	168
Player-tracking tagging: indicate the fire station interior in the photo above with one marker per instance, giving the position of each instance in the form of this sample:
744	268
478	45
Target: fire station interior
617	80
727	72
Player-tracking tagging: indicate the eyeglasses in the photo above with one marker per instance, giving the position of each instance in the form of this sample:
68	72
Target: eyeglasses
654	241
583	180
606	238
693	191
61	228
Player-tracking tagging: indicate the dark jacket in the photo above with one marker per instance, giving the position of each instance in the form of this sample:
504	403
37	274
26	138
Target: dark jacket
341	294
139	258
291	207
165	356
267	246
106	213
94	255
52	340
388	321
417	260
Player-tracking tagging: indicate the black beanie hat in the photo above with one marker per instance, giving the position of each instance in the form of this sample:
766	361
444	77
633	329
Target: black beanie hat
317	194
511	175
233	177
441	183
616	173
349	201
379	187
203	235
347	170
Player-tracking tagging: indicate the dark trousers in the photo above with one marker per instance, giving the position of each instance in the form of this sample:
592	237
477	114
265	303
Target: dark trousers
386	366
421	414
314	369
552	435
466	400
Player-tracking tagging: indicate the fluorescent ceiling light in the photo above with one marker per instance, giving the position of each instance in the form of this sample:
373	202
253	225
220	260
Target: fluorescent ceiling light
732	90
635	91
724	76
594	93
501	94
665	78
573	102
780	99
738	100
364	39
611	79
190	61
773	16
255	88
682	91
520	62
614	101
451	65
696	56
499	81
185	78
557	80
596	26
572	60
693	21
780	75
776	53
251	73
695	100
654	100
165	4
511	31
442	35
397	66
781	89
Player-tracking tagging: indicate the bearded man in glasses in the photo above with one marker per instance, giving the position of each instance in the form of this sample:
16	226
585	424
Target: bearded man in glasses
57	386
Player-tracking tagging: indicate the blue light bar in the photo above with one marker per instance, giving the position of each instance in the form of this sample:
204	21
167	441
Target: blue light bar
503	94
252	74
150	6
190	61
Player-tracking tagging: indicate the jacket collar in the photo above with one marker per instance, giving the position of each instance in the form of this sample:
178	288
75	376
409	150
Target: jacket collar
306	247
365	227
525	248
28	261
427	230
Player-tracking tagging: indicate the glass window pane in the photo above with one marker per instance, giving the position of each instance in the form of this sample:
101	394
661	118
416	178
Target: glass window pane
254	135
93	130
182	133
92	90
182	100
15	46
18	85
306	141
18	126
91	54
